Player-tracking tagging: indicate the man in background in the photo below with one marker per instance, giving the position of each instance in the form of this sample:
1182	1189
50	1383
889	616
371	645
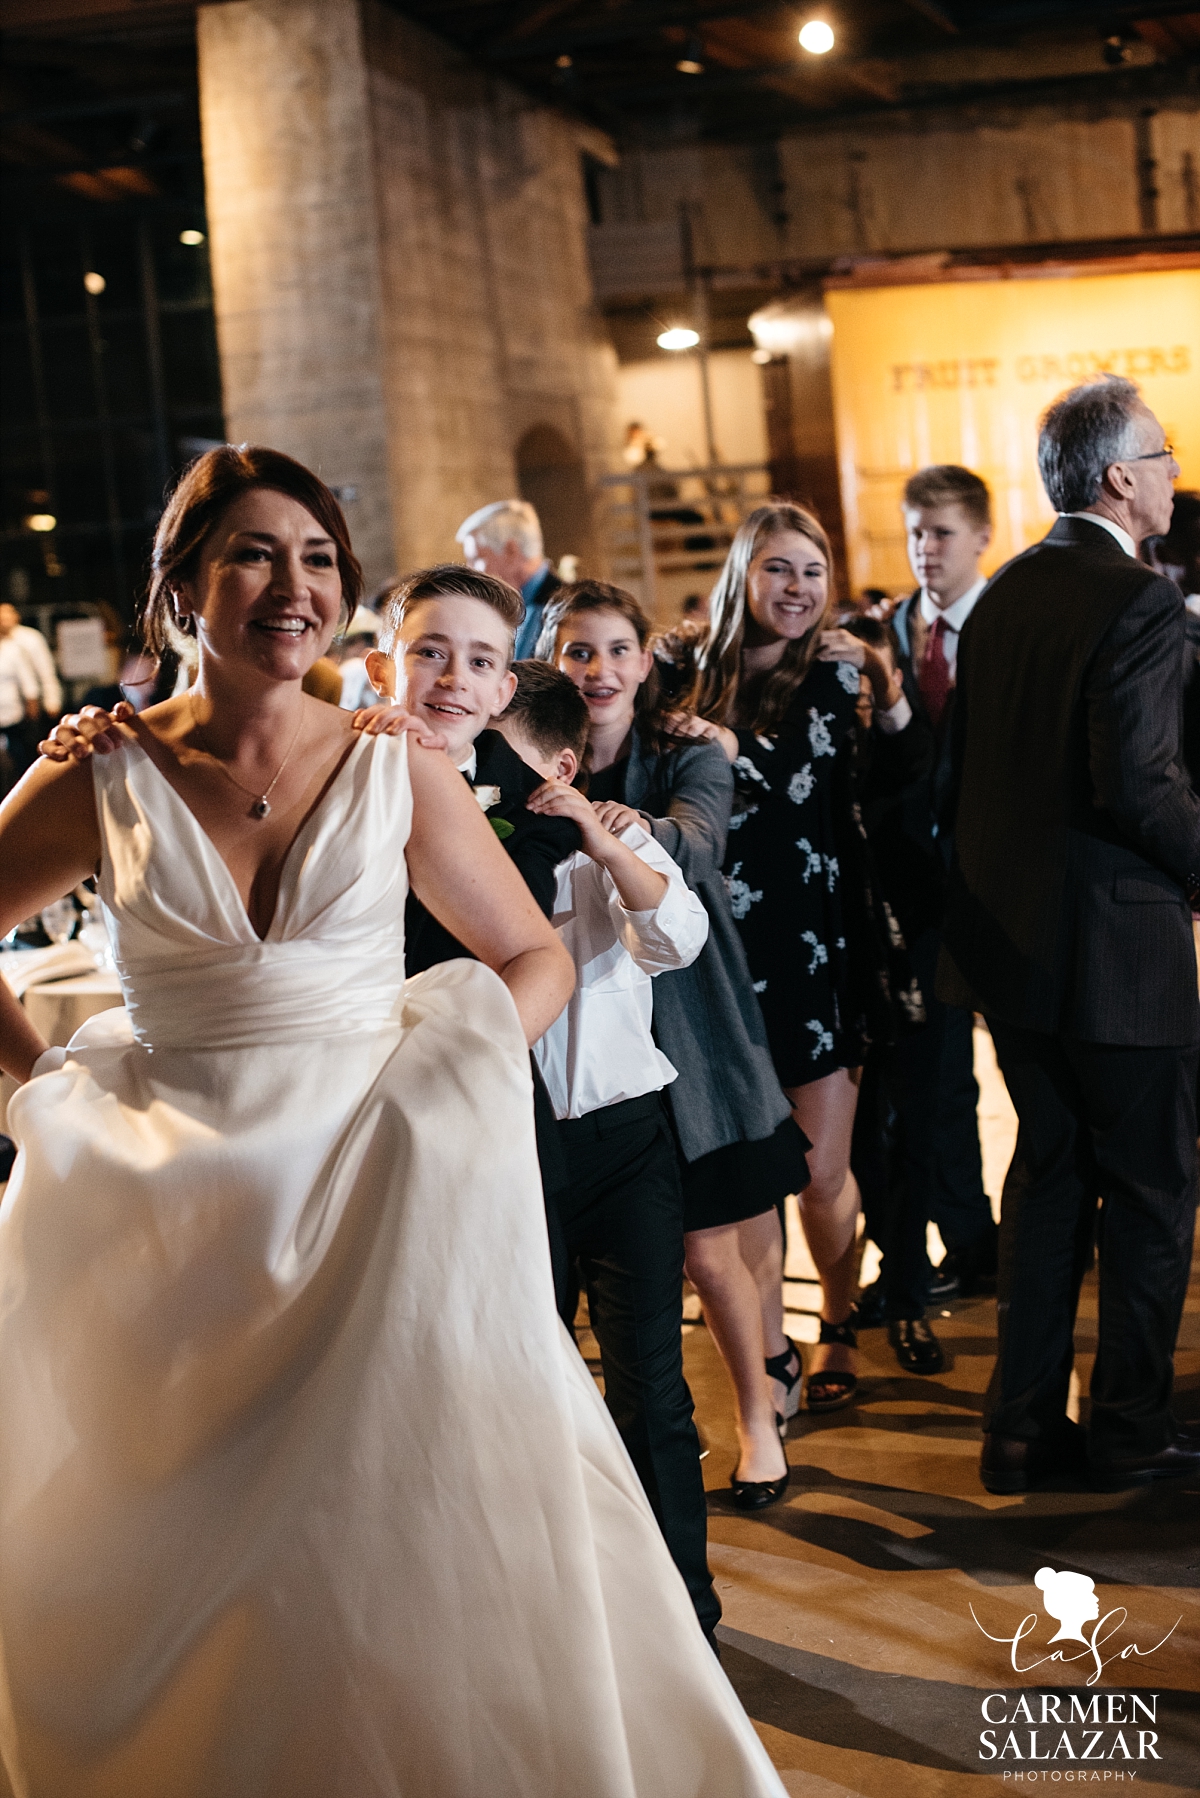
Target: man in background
505	541
1068	924
947	514
22	690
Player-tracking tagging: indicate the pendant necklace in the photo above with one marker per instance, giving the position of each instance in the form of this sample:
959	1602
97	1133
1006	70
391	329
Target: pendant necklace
262	801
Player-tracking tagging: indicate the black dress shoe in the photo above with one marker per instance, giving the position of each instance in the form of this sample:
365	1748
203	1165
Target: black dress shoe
917	1348
870	1310
1178	1459
756	1495
1009	1465
943	1282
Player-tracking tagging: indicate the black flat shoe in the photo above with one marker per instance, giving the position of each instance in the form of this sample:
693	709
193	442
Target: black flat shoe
917	1348
829	1390
756	1495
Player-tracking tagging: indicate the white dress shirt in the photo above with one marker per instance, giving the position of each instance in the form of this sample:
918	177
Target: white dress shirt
955	617
600	1050
1106	524
41	660
18	682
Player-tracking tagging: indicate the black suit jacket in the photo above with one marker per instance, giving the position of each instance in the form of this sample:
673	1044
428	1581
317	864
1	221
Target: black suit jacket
943	732
536	845
1077	833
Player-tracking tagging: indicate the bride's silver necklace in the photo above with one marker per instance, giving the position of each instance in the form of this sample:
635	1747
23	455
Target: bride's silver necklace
262	801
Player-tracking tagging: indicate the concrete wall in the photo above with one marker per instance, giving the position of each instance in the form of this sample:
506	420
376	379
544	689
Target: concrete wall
399	249
489	324
294	244
914	183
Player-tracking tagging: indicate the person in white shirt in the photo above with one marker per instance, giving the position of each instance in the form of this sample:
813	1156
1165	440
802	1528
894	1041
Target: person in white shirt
38	654
626	914
20	703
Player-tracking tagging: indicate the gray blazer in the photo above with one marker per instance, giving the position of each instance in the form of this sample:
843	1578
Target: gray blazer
706	1017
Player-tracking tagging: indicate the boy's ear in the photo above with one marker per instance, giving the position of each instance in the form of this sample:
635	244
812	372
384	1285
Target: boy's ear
566	766
508	687
381	672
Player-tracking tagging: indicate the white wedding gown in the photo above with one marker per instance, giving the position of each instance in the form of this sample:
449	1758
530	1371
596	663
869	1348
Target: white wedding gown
304	1491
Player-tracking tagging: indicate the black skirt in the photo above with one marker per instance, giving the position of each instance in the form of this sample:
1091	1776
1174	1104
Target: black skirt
744	1179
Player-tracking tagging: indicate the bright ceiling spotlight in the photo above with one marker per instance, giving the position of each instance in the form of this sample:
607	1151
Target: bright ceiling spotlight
191	238
679	337
94	283
40	521
689	66
816	37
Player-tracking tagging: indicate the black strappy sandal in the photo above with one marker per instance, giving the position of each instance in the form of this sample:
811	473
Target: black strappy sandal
777	1369
830	1390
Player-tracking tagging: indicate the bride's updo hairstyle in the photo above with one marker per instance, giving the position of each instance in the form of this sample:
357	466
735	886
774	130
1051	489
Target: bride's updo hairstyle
719	657
205	491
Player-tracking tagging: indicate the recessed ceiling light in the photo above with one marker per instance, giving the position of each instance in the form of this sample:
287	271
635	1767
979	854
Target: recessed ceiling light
191	238
40	521
95	284
679	337
816	37
689	66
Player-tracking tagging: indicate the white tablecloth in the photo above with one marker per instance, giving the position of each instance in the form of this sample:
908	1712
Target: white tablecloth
57	1009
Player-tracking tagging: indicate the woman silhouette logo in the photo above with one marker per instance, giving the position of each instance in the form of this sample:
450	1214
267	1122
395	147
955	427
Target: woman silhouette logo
1070	1598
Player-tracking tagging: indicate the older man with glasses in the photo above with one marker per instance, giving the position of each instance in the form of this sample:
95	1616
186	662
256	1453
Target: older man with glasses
1077	863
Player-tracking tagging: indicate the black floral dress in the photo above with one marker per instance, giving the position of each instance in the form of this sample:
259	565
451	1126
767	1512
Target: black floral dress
826	958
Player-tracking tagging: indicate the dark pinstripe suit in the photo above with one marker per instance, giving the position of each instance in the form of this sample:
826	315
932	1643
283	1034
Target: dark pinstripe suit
1077	841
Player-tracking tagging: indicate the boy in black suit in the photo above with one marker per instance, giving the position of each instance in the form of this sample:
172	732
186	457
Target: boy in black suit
445	656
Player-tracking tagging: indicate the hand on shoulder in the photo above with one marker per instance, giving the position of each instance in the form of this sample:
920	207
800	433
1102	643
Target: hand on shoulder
687	724
93	731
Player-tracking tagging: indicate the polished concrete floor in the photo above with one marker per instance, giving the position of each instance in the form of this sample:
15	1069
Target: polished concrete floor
848	1627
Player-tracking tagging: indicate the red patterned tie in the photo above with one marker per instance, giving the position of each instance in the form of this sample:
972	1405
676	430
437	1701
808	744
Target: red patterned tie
934	677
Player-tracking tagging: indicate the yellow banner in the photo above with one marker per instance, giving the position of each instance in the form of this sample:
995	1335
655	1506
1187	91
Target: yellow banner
960	372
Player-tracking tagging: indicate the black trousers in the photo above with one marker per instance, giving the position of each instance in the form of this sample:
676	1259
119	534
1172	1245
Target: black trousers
1116	1126
621	1219
916	1143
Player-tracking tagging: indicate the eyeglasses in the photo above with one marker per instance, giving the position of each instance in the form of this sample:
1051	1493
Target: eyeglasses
1154	455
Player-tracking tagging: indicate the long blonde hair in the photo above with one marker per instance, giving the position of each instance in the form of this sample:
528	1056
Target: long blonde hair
719	659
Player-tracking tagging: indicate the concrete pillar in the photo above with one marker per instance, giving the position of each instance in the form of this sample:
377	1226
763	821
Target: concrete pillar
399	263
293	234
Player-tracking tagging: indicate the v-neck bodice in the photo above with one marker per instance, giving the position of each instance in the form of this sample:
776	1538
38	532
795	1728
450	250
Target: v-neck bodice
193	970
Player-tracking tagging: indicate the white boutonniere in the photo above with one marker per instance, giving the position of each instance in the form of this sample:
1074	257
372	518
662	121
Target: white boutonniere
487	797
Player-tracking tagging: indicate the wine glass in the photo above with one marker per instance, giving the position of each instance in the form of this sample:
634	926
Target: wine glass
59	920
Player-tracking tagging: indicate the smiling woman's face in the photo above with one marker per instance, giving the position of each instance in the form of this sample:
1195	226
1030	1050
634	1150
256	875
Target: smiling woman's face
267	589
787	586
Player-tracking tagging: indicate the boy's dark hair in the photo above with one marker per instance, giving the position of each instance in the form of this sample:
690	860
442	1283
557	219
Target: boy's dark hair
447	580
946	484
876	632
549	709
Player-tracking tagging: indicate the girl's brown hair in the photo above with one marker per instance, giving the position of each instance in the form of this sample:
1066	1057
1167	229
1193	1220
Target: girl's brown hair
602	596
205	491
719	658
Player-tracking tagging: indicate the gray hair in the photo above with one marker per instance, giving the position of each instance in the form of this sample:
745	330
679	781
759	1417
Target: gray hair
1085	431
504	521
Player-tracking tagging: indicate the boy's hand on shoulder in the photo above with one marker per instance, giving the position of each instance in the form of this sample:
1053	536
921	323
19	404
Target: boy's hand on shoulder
80	734
615	817
554	799
393	721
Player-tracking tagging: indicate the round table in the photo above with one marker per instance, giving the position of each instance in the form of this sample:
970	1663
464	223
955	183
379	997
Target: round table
57	1009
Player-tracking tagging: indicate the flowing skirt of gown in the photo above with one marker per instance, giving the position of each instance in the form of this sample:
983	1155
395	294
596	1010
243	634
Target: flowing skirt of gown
304	1490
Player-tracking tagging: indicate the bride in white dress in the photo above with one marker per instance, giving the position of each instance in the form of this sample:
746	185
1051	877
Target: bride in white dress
304	1492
